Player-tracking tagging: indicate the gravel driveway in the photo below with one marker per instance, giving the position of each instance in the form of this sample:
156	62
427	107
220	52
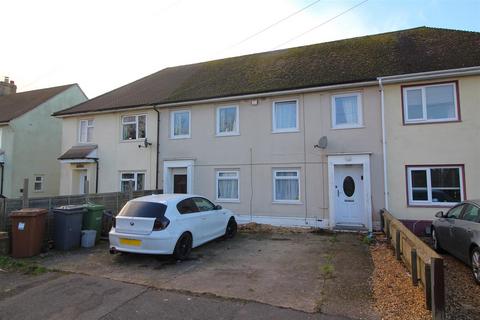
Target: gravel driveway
310	272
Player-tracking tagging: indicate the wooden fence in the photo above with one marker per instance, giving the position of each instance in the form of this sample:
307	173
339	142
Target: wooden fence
113	202
424	264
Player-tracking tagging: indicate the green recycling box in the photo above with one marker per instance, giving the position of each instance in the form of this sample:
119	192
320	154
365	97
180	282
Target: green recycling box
92	218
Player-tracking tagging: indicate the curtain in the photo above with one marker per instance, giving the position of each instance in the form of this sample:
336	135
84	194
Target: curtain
346	110
181	123
286	115
227	119
286	189
228	189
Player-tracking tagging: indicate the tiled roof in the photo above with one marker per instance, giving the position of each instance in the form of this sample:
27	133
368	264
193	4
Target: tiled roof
338	62
16	104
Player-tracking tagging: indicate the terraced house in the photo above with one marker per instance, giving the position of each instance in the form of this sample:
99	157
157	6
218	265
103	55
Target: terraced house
312	135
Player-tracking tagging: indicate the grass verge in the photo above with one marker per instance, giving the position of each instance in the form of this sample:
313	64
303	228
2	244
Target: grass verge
23	266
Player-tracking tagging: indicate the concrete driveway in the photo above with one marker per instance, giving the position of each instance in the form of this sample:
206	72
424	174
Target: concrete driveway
310	272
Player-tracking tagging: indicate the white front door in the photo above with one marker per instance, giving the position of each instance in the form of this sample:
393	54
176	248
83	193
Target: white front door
349	195
82	182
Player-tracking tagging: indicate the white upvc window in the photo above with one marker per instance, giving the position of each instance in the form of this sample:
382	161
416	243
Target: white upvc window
134	127
38	183
435	185
85	133
285	116
347	111
227	121
180	124
430	103
228	185
286	186
137	179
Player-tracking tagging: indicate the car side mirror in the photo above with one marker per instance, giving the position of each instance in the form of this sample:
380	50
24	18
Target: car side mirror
218	207
439	214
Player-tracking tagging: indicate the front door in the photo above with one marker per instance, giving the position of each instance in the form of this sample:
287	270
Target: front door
349	195
179	183
82	188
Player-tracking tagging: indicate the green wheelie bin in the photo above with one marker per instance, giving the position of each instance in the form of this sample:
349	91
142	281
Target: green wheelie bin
92	218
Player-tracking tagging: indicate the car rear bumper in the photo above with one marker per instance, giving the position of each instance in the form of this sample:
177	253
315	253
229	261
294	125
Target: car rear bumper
159	242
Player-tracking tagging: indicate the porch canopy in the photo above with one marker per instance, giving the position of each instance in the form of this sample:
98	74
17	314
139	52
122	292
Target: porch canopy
80	154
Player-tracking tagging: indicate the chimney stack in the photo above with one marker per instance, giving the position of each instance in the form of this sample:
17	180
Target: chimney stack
7	87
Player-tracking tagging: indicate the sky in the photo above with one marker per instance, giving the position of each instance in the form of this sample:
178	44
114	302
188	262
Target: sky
104	44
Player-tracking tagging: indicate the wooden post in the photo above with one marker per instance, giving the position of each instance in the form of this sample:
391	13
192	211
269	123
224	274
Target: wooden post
387	225
437	289
397	245
413	258
428	288
25	193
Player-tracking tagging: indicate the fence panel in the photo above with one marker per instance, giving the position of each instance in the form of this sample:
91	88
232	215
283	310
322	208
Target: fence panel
425	265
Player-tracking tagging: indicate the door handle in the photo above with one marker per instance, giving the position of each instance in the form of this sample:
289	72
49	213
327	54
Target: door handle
338	193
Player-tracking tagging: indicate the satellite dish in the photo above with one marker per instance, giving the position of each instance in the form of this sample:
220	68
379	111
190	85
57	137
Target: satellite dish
322	142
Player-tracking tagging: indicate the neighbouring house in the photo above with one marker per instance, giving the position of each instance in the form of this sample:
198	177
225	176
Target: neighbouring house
288	137
30	138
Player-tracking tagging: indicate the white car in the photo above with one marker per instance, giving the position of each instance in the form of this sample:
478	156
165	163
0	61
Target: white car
169	224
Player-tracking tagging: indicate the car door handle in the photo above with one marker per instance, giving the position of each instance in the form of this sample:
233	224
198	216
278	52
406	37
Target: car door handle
204	218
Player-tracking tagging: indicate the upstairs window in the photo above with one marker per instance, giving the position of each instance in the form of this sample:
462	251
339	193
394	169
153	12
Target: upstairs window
435	185
134	127
347	111
285	116
430	103
86	131
180	124
227	121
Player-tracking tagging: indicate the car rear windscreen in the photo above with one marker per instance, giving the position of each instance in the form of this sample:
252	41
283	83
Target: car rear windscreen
142	209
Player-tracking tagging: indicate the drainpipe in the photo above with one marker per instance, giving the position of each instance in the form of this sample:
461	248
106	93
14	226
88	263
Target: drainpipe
96	176
1	179
158	147
384	143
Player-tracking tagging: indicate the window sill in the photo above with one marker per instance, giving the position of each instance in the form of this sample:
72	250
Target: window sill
414	205
132	140
227	201
286	202
349	127
286	131
409	123
227	134
179	137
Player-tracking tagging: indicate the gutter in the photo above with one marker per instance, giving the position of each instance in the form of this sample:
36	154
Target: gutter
230	98
96	176
460	72
384	143
158	147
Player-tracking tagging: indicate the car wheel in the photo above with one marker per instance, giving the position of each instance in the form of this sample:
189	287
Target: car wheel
475	261
231	230
183	247
436	243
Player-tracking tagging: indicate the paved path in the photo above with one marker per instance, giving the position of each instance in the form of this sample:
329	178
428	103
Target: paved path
73	296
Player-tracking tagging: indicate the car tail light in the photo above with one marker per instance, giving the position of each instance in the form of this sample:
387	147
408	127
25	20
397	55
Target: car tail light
114	222
160	224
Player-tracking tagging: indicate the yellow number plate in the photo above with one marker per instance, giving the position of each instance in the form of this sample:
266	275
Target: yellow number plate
130	242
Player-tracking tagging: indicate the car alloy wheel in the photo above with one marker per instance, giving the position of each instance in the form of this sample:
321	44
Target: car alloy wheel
231	229
475	259
183	247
